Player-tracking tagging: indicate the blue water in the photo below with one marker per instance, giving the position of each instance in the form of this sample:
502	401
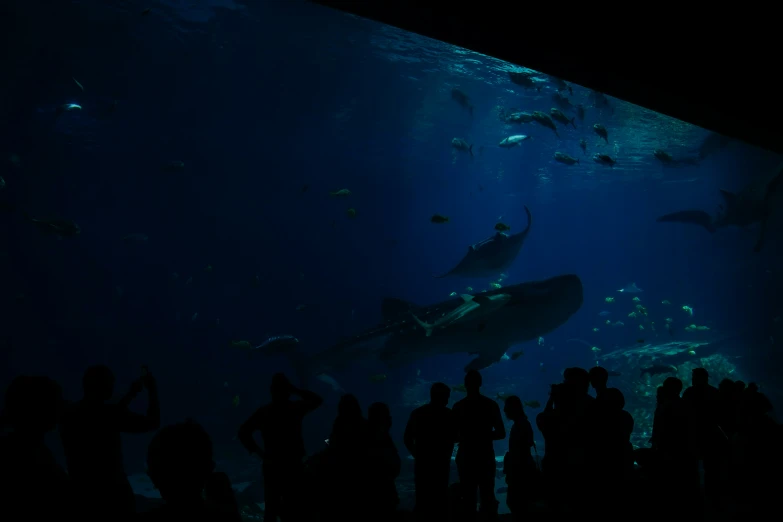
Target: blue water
259	103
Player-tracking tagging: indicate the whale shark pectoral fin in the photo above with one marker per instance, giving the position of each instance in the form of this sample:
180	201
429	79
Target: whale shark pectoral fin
487	357
694	217
427	327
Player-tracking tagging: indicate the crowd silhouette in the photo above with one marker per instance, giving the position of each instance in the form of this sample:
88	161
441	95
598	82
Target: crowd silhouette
715	455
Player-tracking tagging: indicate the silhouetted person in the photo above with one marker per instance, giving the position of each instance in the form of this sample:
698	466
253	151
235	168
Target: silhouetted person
90	432
33	485
518	464
429	437
344	490
384	464
283	452
180	465
701	402
479	423
612	438
598	379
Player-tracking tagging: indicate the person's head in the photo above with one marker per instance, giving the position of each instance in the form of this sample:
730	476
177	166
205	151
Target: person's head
349	407
32	405
440	394
699	377
598	378
612	398
513	408
379	417
673	386
280	388
577	380
753	387
739	387
98	383
472	381
179	462
726	386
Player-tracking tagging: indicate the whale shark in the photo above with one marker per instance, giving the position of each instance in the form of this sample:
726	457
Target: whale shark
755	203
490	257
514	314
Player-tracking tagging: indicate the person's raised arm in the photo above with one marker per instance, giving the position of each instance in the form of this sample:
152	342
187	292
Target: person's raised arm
133	422
246	431
310	400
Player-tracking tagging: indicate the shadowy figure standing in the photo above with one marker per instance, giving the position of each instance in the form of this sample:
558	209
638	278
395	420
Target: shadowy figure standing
180	465
344	491
384	465
701	403
90	432
33	486
598	379
280	425
479	423
429	436
518	464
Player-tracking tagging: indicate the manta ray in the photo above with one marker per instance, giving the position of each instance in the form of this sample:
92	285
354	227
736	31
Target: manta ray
490	257
485	325
753	204
631	289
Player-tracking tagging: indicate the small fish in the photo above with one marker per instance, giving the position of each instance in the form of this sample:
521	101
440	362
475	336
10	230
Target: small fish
174	166
277	345
462	145
513	141
640	341
532	404
235	401
560	117
583	146
565	159
462	99
453	294
208	268
604	313
2	183
541	341
341	193
459	388
351	213
601	131
604	159
502	227
79	85
438	219
194	317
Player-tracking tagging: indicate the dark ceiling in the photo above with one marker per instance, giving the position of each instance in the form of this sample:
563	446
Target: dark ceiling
708	67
